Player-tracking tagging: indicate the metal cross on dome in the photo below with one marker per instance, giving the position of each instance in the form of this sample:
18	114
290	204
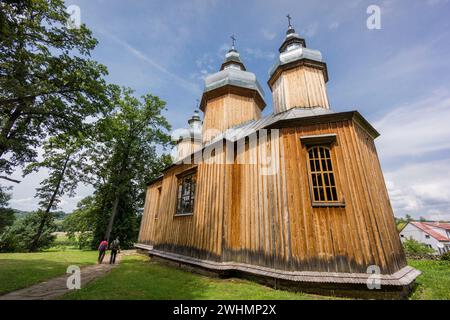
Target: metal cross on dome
233	40
289	19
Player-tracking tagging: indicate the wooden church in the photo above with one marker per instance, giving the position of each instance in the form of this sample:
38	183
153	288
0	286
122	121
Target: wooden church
296	199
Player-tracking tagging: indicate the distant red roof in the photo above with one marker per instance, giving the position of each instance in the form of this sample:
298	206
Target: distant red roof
442	225
426	227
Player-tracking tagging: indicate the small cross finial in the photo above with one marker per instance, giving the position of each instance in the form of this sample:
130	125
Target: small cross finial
289	20
233	40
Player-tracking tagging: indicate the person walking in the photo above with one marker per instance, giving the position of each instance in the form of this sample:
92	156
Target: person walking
115	248
102	250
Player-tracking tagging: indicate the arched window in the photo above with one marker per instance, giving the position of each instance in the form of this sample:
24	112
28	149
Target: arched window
323	184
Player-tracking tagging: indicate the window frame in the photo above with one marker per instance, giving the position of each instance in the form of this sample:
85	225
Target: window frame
158	202
182	176
326	141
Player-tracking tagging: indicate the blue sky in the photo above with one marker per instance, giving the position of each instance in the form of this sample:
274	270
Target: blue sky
397	77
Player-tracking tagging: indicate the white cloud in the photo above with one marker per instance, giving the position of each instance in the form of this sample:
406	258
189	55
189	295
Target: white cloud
416	128
412	133
421	189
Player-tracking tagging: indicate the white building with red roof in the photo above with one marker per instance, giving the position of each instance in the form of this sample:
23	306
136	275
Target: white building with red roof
435	235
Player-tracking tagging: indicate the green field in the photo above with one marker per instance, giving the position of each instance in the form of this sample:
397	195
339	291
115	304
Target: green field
137	278
20	270
434	283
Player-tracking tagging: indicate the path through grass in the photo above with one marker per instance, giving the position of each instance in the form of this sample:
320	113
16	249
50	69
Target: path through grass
20	270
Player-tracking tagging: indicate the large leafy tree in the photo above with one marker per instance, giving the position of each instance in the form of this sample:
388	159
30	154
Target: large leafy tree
65	157
48	83
125	159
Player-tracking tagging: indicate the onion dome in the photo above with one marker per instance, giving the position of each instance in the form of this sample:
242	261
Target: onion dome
232	74
294	49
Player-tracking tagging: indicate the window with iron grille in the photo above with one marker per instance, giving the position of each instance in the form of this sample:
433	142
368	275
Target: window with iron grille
186	193
323	184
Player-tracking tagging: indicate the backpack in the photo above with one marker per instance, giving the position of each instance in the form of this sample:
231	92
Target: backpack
114	245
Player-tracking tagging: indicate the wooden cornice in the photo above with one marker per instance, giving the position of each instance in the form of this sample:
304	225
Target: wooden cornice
298	63
327	118
231	89
318	139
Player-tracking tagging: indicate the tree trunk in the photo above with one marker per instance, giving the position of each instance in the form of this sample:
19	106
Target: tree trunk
111	219
46	214
123	168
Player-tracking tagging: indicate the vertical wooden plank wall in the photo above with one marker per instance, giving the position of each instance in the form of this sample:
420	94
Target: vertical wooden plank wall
301	86
198	235
228	111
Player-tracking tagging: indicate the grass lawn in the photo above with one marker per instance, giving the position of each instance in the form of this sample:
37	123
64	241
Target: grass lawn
20	270
137	278
434	283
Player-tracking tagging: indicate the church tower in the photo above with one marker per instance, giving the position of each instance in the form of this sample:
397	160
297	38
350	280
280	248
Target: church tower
231	96
298	78
190	140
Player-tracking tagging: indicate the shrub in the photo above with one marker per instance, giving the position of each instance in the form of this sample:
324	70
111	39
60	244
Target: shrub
417	250
446	256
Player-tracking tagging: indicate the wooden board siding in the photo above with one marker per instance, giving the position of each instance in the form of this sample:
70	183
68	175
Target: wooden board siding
228	111
199	234
186	147
244	216
352	238
299	87
148	222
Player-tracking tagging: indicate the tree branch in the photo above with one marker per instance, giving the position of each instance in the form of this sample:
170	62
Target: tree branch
9	179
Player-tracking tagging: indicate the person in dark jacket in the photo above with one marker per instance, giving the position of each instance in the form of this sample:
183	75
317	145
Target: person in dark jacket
102	250
115	248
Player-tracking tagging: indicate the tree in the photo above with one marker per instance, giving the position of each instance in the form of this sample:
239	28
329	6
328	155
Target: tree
19	236
7	218
80	224
125	160
48	84
4	197
65	158
7	215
